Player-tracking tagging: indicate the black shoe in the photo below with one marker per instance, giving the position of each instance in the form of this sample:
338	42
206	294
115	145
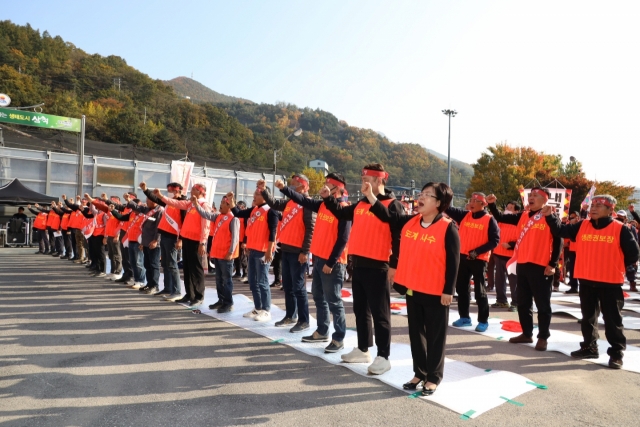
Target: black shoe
39	252
334	347
585	353
216	305
237	276
64	257
46	253
55	254
427	391
162	293
195	302
276	283
412	386
287	321
315	337
615	363
299	327
572	291
184	299
226	308
144	288
123	279
151	291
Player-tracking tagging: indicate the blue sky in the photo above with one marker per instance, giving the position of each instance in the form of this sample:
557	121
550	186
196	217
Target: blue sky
559	76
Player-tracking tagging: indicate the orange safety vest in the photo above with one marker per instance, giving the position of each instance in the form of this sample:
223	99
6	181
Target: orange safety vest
172	214
40	223
65	221
422	262
536	246
50	218
55	221
124	225
135	229
222	237
113	226
75	221
192	226
325	235
370	237
508	233
99	230
292	229
599	257
258	229
572	246
474	233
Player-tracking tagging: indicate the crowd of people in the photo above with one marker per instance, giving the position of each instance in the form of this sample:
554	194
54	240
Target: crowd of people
428	254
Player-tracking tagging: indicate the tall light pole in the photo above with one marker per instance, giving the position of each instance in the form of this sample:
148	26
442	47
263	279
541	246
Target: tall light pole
450	113
297	132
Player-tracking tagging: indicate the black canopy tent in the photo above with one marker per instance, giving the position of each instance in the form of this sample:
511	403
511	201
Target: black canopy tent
15	193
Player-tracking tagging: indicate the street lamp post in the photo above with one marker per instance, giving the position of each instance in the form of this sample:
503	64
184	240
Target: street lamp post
450	113
297	132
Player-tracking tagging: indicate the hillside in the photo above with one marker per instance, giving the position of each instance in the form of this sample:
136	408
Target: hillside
125	106
184	86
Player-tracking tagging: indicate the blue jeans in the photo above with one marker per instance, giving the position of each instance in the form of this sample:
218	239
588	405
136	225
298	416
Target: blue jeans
136	258
224	282
294	286
259	280
169	260
327	294
152	265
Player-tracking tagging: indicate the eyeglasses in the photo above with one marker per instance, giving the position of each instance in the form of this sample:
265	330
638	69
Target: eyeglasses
423	194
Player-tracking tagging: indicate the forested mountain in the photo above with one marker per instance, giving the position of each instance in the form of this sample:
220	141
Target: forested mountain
184	86
123	105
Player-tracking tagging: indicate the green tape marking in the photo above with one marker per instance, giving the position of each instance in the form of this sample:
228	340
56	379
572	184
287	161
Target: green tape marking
540	386
415	395
513	402
499	338
351	329
279	340
467	415
488	370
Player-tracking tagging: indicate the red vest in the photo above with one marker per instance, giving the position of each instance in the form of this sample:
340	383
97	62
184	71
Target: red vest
291	230
599	256
422	261
370	237
222	237
192	226
536	245
135	228
508	233
40	223
55	221
173	215
50	217
572	246
258	229
99	230
124	225
325	235
76	219
113	226
474	233
65	221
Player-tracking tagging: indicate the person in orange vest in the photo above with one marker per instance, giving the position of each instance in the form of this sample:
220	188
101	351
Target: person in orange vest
225	248
262	228
149	243
295	232
40	224
171	243
194	233
479	234
375	257
132	239
535	260
64	214
80	251
428	262
97	239
56	229
240	263
111	235
605	249
502	254
329	249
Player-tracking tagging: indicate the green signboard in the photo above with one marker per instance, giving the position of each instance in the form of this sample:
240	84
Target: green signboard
28	118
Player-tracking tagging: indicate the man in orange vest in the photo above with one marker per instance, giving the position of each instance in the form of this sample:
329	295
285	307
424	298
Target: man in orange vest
97	239
328	247
80	251
225	247
40	224
375	258
605	249
294	234
501	255
111	234
479	234
535	259
65	214
170	244
132	238
262	228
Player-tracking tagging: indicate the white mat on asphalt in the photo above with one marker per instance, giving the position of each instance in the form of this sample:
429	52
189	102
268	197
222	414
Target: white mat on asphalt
458	390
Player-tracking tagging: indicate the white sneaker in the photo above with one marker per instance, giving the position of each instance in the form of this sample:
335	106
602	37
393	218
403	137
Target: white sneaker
252	314
137	285
379	366
172	297
116	276
357	356
109	276
263	316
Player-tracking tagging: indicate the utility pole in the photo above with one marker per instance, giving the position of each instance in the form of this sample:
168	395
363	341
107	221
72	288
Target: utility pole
450	113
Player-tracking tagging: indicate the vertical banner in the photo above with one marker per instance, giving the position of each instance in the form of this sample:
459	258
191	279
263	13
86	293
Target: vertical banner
181	173
209	183
567	203
586	203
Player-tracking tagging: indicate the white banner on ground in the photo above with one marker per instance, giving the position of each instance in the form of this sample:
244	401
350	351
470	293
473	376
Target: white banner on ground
181	172
209	183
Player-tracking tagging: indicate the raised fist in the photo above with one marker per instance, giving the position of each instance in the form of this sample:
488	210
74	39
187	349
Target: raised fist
64	197
143	186
632	208
103	196
194	200
261	184
491	198
87	196
280	184
157	192
325	192
547	210
366	189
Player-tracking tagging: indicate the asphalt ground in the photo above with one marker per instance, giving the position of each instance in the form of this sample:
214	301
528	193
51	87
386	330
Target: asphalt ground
79	351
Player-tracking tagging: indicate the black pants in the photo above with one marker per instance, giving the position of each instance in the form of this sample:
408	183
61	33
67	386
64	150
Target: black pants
501	281
468	269
127	271
68	246
240	263
534	285
491	269
96	252
72	238
610	300
209	260
371	298
58	244
428	324
277	265
571	262
193	270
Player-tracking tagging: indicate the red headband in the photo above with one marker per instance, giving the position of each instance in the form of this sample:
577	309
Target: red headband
379	174
201	188
479	197
604	201
540	192
335	183
301	181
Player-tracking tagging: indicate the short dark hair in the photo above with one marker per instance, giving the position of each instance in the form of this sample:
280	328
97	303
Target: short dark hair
376	167
516	205
576	213
443	193
20	209
544	190
337	177
241	202
174	184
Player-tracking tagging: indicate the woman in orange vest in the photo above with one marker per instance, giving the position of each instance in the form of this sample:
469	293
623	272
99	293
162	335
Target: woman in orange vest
40	224
501	255
65	214
479	234
605	248
96	240
427	268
